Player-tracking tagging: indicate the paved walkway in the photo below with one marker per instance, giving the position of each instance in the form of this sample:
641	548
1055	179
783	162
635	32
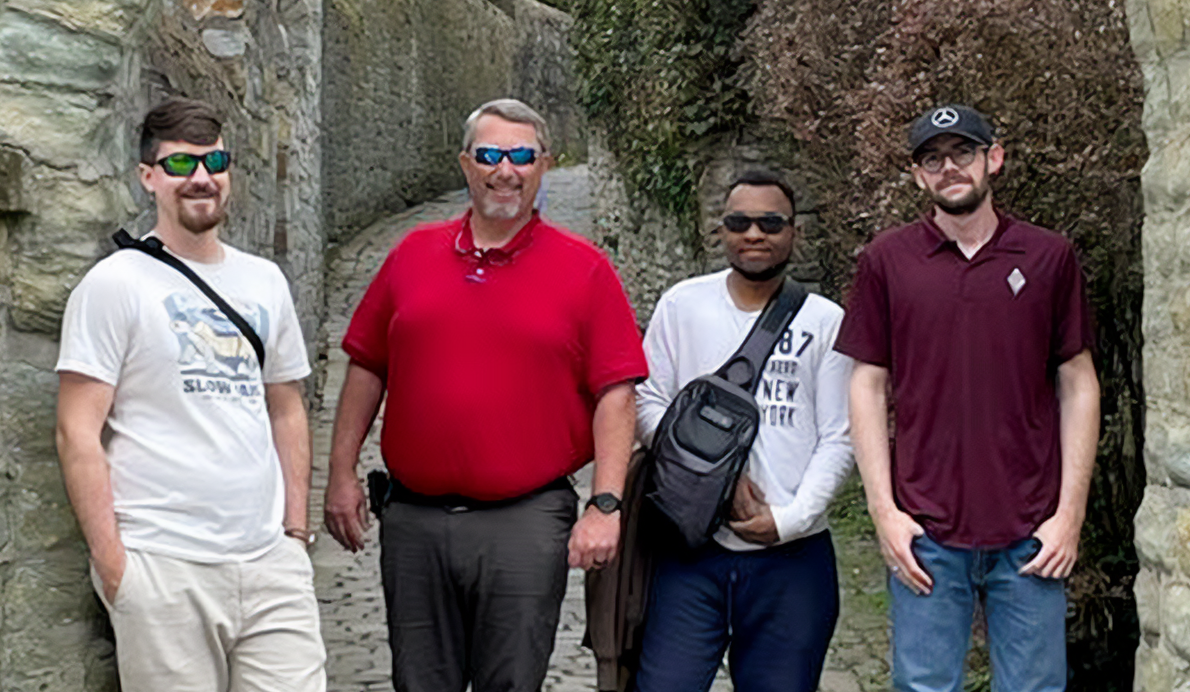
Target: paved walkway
348	585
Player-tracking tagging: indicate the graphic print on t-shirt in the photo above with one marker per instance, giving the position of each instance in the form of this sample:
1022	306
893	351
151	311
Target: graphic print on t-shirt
214	356
780	382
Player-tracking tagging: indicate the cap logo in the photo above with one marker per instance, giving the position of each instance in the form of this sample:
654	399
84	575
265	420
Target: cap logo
944	117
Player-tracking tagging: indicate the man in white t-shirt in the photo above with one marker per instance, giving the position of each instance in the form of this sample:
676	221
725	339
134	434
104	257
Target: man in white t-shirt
767	584
187	466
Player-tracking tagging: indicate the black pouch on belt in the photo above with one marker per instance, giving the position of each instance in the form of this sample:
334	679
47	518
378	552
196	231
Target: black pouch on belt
379	491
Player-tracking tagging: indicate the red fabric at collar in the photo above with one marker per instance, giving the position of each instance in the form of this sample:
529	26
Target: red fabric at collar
465	241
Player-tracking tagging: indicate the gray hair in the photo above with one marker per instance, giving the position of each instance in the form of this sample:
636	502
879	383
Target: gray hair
511	110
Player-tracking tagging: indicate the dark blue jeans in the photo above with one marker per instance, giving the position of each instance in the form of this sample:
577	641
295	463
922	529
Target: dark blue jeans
776	608
1026	620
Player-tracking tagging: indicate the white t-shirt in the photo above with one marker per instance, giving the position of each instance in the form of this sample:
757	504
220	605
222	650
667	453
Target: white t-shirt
194	471
802	452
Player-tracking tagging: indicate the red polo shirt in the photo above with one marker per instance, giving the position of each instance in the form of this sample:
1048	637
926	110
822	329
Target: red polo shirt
493	360
972	347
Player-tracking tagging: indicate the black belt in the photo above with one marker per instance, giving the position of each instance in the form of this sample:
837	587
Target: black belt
395	492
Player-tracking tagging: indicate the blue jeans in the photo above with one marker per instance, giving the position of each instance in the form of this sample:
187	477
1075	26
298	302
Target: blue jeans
1026	621
776	607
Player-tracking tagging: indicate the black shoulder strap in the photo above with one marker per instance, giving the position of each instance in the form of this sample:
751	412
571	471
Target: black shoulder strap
747	363
154	248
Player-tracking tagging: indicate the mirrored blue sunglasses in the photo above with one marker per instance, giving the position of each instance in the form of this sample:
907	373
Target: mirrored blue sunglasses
491	156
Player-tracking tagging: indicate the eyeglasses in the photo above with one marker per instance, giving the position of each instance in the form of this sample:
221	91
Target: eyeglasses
182	165
769	223
933	161
491	156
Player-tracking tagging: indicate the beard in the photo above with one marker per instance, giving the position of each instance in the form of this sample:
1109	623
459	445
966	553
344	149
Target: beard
762	275
966	204
202	218
504	211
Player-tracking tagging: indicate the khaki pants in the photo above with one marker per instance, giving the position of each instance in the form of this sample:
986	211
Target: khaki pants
227	627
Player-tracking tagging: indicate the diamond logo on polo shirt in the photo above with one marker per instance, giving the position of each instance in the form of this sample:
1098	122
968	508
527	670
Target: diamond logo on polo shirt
1016	281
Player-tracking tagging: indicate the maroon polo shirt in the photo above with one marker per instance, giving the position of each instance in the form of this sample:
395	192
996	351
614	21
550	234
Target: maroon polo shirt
493	360
972	348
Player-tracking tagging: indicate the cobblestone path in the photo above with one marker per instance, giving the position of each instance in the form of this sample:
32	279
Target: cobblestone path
348	585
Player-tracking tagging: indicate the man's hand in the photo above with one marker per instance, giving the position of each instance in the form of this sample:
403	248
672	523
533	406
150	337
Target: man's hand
896	531
1059	547
346	510
594	539
111	572
748	500
752	520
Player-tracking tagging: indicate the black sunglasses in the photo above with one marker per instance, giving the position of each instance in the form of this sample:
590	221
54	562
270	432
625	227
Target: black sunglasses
183	165
770	223
491	156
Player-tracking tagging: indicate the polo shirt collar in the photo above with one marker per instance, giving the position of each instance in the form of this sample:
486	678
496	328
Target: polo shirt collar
465	241
937	241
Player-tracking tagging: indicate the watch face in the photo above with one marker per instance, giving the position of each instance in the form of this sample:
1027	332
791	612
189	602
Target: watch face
606	502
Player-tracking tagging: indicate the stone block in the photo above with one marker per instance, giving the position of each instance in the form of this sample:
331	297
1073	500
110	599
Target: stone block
1148	600
1154	669
1170	18
54	127
48	630
69	211
1155	520
36	50
10	182
226	43
1175	618
1176	99
1167	181
110	18
41	283
202	9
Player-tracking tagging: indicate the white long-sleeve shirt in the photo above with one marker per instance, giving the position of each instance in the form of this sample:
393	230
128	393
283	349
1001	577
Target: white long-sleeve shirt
802	452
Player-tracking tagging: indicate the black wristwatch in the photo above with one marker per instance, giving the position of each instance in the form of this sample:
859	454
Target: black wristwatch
604	502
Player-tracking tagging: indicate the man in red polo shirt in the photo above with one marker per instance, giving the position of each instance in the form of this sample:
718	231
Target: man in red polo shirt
509	352
981	323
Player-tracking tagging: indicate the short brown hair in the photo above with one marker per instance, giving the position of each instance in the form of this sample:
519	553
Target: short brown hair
178	120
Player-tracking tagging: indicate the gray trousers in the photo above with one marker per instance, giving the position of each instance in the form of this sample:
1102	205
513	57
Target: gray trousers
474	596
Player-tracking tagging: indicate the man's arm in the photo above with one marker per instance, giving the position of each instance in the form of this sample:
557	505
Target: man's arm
596	536
291	436
346	508
83	405
1078	404
869	432
655	394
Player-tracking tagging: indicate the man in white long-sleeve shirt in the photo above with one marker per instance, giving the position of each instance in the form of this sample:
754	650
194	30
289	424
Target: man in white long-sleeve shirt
767	584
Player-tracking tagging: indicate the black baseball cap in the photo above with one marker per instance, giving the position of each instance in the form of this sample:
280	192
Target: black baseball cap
949	120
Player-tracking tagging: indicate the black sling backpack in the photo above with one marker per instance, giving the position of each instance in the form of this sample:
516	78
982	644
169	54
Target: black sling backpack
154	248
706	433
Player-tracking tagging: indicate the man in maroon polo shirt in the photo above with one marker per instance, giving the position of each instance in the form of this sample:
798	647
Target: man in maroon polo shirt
981	323
509	352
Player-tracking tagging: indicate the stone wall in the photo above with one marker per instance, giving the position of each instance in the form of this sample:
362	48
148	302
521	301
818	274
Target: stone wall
543	74
401	76
1160	38
75	79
